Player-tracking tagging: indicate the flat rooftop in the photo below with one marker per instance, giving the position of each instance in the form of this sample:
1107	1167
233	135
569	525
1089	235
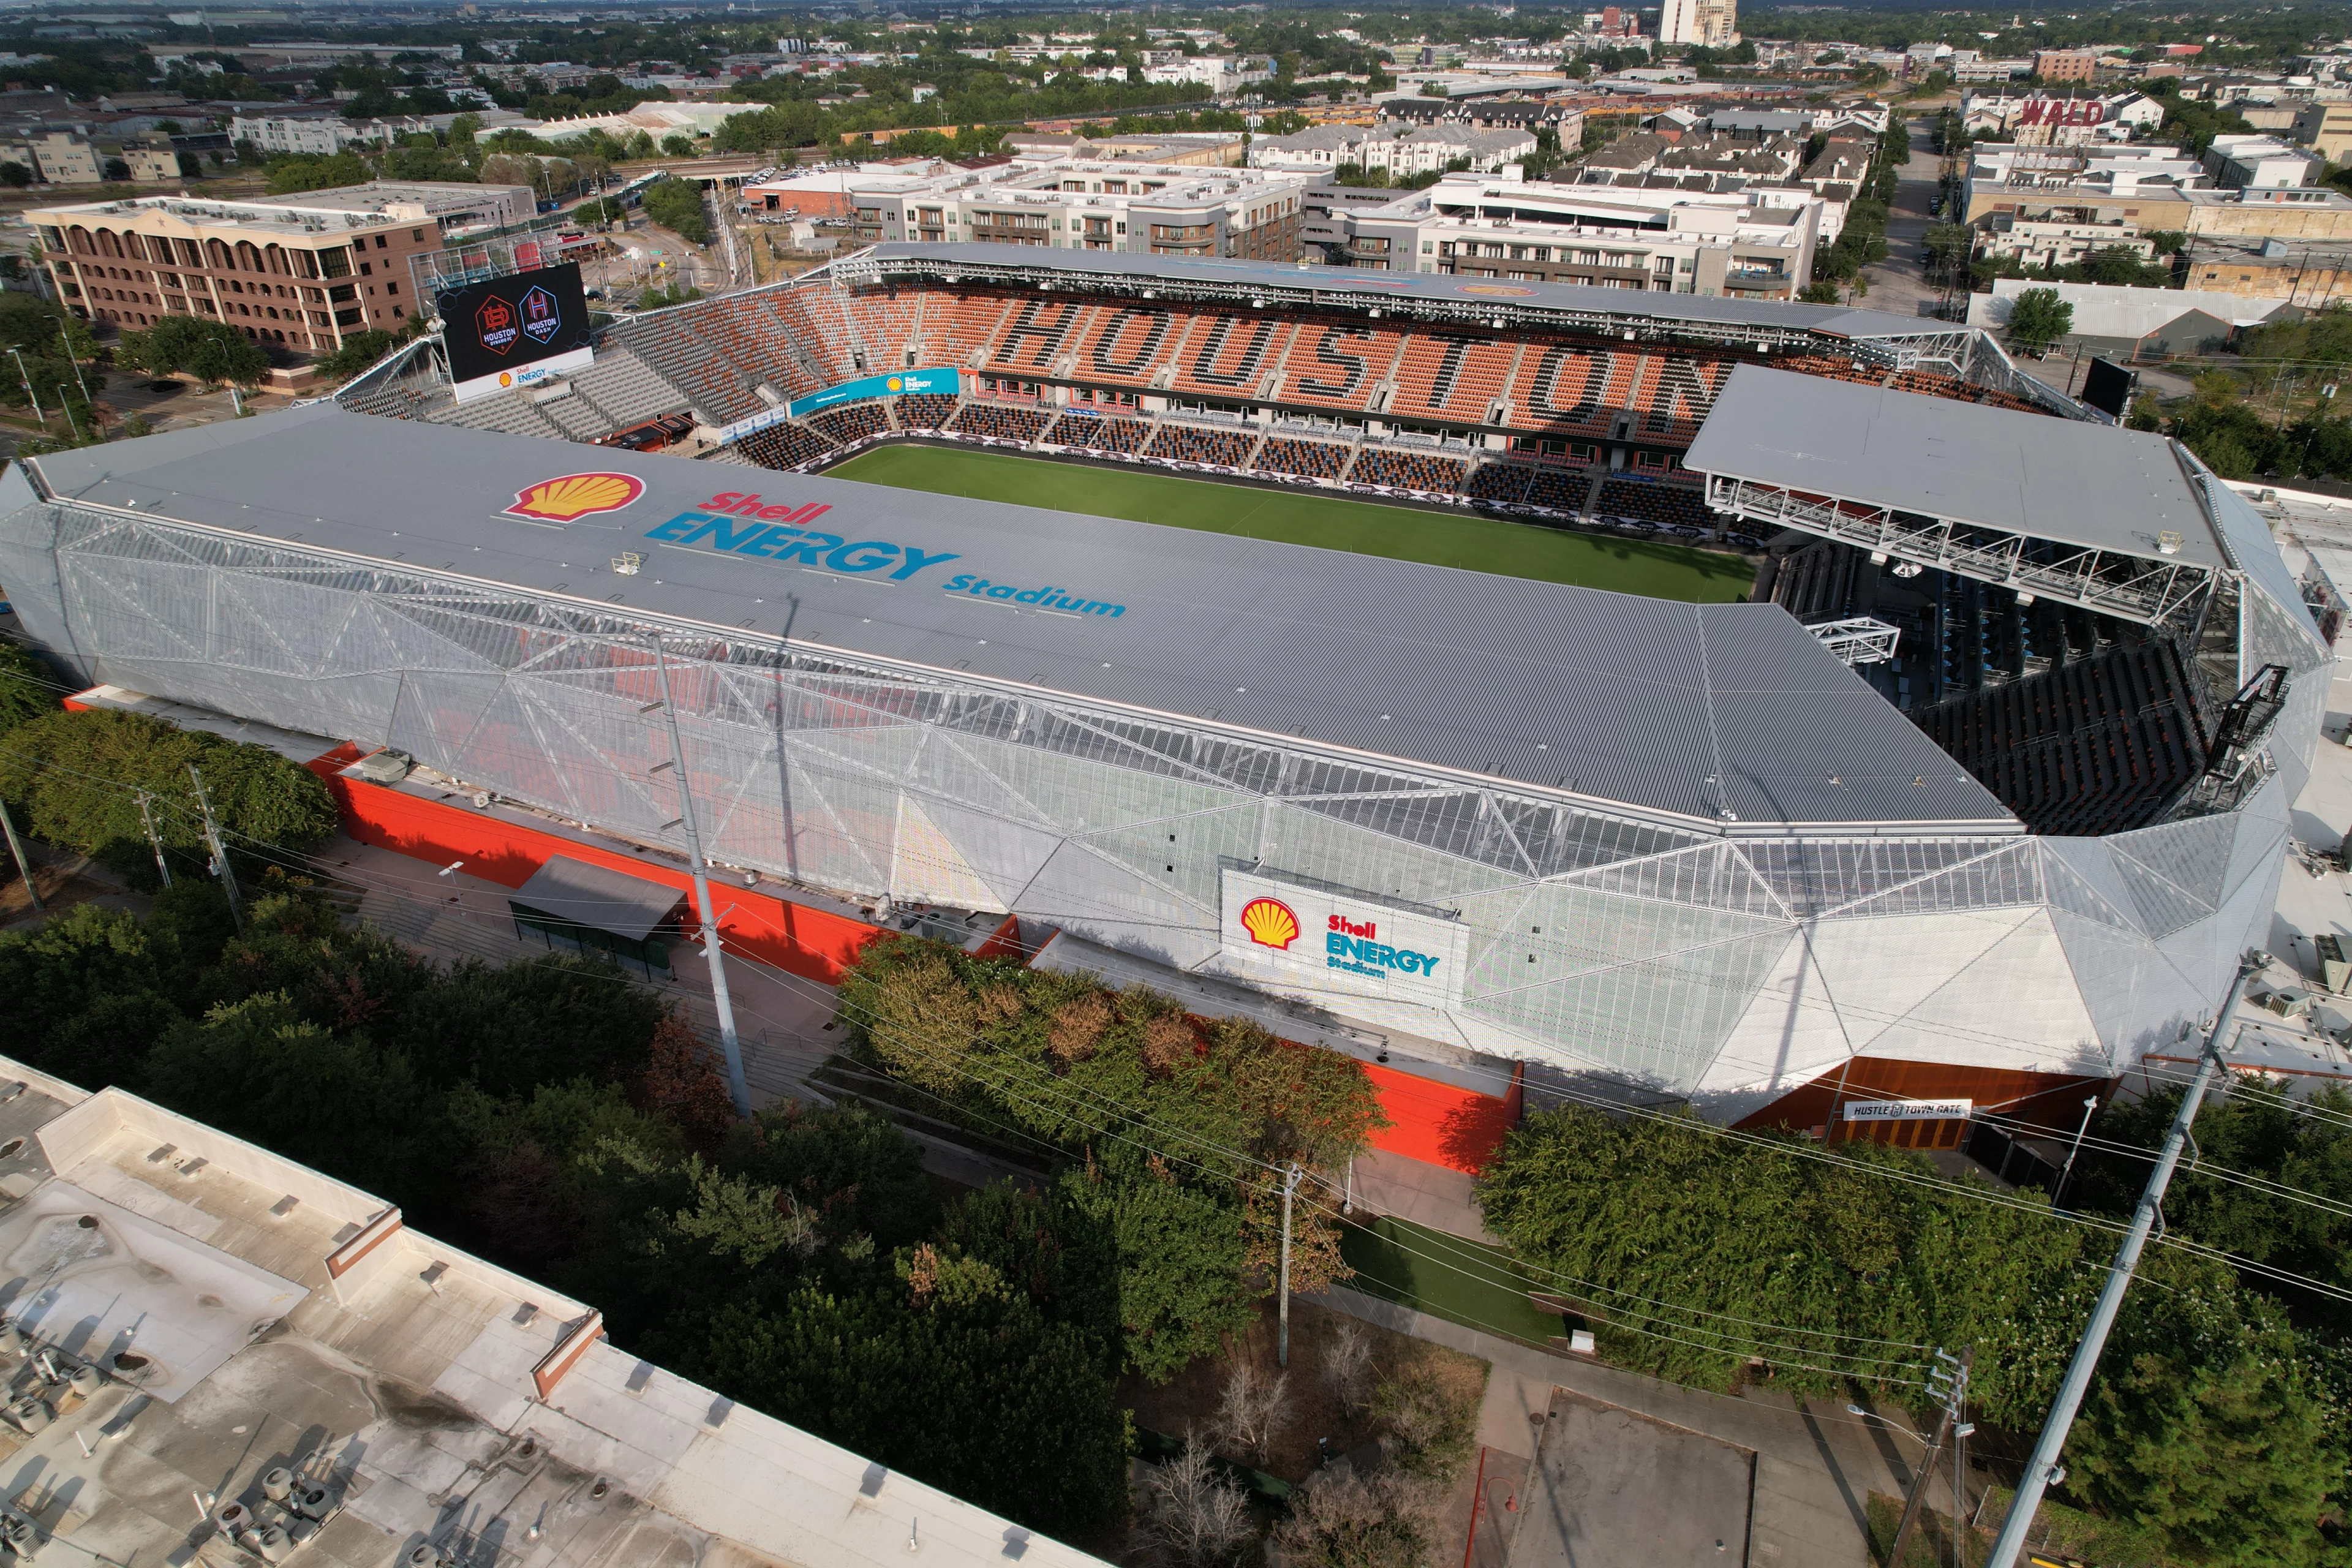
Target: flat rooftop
2062	480
1676	707
200	1313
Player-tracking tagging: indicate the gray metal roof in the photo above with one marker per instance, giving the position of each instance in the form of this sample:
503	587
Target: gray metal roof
974	261
2063	479
628	907
1674	707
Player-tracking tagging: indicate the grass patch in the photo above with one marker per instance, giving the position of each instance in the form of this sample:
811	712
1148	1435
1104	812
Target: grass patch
1445	1276
1471	542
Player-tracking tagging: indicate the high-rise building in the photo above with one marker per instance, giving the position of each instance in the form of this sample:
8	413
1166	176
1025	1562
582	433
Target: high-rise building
1712	23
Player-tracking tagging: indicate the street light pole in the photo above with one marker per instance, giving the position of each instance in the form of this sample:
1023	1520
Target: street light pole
2089	1106
70	360
70	423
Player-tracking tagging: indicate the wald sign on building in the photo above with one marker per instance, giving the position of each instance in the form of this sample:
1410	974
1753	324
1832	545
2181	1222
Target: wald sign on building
519	330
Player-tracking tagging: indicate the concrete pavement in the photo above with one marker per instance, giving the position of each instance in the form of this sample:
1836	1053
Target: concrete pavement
1816	1464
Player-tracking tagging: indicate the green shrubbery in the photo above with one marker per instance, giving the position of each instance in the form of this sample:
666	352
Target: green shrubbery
2216	1419
677	206
1175	1135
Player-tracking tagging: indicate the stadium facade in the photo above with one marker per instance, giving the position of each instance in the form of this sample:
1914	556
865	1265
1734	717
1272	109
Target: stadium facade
1680	847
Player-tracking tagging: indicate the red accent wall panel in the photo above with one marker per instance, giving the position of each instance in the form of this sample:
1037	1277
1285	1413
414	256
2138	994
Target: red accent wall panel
812	943
1440	1124
2046	1098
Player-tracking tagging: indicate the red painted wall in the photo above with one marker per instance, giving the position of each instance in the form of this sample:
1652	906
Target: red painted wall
1440	1124
2042	1098
810	943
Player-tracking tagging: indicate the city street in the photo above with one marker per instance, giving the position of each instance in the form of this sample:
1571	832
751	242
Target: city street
1899	284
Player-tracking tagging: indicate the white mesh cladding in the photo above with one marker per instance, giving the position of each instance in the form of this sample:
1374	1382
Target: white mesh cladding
2015	1005
2134	997
1877	973
1092	897
1812	875
1716	876
2206	953
1661	1020
1184	849
2174	870
1004	854
2003	878
927	868
1309	843
1790	1033
2080	875
843	830
2260	848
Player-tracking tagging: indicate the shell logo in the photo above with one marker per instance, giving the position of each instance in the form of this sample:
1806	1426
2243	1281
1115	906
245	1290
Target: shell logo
1270	923
896	385
575	496
506	378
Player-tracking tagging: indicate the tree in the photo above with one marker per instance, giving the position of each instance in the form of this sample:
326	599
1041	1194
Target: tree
1251	1410
2039	318
1348	1364
1191	1515
14	176
677	206
678	146
30	688
75	777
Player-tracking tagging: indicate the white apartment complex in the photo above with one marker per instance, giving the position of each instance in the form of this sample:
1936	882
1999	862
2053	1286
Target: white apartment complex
1402	152
1754	244
1150	210
307	133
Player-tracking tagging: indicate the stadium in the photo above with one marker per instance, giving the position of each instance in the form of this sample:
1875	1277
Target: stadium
1975	801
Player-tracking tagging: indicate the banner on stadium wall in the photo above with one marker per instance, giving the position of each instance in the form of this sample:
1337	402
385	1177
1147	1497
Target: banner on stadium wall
1908	1110
1323	940
943	380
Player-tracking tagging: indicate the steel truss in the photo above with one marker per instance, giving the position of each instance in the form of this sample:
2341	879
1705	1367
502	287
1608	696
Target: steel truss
2151	590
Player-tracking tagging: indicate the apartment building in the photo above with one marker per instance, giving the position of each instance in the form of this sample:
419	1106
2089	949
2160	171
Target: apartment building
59	158
307	133
2059	243
2325	129
1091	205
1754	244
1403	153
2065	65
2259	162
299	272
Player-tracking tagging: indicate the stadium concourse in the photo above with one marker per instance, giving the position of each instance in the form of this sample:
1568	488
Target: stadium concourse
1600	840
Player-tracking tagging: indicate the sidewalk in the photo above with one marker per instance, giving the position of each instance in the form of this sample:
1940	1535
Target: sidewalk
1816	1464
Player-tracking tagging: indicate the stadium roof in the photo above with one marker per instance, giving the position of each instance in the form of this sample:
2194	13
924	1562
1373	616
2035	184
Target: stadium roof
1692	709
2062	480
1182	272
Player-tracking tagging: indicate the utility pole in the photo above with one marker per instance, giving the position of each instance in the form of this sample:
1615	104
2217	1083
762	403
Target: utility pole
1954	1389
220	856
2043	1468
66	339
728	1041
154	843
1282	1339
29	393
25	869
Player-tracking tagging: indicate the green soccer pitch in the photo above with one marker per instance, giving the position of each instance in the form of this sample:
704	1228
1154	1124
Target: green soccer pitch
1473	543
